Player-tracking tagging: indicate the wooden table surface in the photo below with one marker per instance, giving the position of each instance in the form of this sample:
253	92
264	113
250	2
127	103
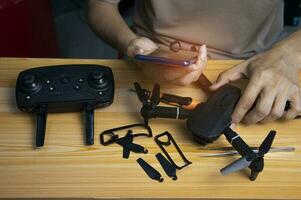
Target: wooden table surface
65	167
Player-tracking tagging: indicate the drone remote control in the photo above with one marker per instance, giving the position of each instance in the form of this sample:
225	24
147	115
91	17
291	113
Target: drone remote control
64	88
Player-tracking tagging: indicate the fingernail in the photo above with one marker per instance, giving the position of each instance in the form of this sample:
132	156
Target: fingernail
232	126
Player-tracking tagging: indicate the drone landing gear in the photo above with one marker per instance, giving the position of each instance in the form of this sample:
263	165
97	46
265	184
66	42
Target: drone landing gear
42	121
41	125
89	123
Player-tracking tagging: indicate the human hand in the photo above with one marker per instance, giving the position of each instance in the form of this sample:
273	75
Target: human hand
273	80
141	45
176	75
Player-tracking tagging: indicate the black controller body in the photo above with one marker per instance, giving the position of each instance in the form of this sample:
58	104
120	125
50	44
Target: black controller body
64	88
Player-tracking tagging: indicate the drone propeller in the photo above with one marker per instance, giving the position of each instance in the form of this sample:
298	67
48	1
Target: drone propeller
267	143
155	98
249	160
140	93
237	165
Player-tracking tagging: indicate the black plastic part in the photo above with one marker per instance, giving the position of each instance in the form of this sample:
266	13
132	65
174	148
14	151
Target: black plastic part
149	170
253	175
140	93
169	169
170	140
126	151
238	143
267	142
164	112
41	125
170	98
155	98
127	143
256	167
208	120
113	137
89	123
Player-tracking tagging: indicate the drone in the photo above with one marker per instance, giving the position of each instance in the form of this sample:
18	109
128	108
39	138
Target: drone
207	121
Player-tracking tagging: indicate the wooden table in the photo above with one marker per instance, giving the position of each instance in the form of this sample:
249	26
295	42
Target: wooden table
65	167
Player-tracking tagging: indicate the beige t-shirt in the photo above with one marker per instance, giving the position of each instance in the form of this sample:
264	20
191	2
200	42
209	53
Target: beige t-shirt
230	28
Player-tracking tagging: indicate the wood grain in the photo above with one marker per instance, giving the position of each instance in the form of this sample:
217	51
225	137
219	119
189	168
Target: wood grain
66	168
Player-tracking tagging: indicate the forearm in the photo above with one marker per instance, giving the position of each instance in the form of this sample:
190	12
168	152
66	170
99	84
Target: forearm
107	23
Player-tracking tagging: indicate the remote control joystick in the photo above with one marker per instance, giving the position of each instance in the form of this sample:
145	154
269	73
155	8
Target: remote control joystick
44	89
29	83
97	79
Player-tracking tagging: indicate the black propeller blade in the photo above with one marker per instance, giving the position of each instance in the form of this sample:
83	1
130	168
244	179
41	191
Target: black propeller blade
155	98
149	170
140	93
169	169
267	143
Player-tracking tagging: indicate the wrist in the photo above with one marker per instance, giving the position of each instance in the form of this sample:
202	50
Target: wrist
291	48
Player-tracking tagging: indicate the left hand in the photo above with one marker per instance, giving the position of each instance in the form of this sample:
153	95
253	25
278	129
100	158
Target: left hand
273	80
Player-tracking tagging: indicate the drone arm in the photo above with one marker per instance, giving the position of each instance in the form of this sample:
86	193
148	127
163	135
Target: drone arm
165	112
171	112
174	99
237	142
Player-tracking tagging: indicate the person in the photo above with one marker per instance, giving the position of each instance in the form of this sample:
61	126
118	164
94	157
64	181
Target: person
215	29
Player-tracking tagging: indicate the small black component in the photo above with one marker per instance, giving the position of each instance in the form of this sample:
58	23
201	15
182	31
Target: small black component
208	120
113	137
169	169
151	110
174	99
127	143
170	140
41	125
126	151
149	170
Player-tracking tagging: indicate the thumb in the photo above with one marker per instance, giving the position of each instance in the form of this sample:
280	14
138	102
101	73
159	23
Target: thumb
201	60
138	51
202	55
237	72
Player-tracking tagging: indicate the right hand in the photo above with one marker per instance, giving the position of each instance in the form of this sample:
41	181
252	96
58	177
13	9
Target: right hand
163	73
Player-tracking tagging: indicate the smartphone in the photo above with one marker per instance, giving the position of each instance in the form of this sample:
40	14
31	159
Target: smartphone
165	61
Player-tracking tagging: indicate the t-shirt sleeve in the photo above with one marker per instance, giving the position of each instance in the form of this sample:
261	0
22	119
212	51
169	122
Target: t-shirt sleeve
111	1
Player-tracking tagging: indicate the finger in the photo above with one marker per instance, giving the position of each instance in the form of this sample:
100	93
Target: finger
202	55
247	100
134	50
262	108
201	60
230	75
278	108
187	79
295	106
